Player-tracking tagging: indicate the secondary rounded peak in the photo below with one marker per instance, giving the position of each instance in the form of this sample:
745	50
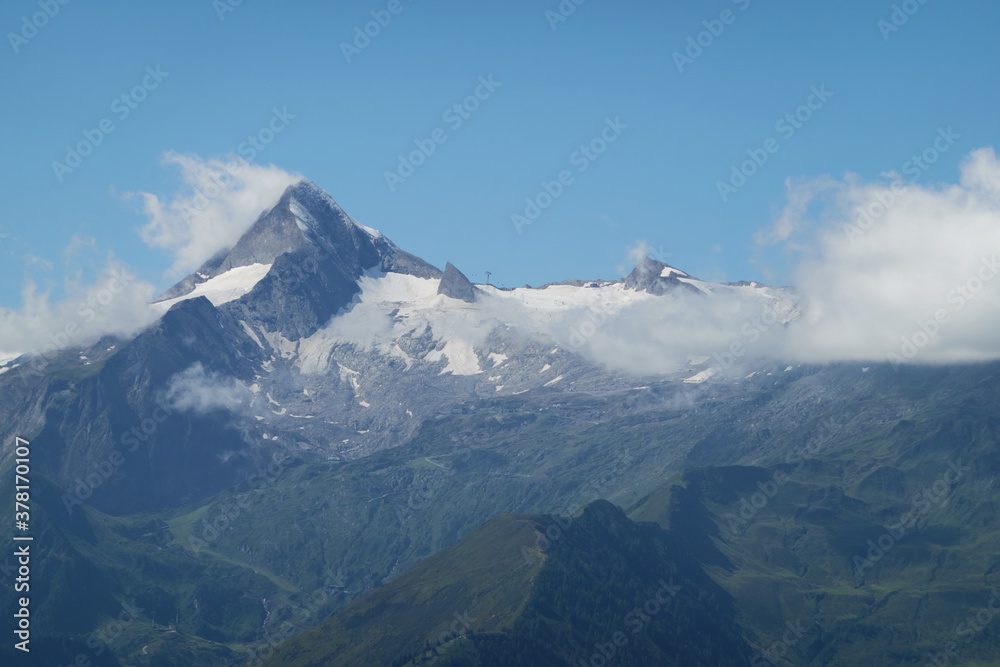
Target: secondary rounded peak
656	277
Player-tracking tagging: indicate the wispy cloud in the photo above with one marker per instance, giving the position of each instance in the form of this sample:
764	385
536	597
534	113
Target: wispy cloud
101	296
201	391
219	200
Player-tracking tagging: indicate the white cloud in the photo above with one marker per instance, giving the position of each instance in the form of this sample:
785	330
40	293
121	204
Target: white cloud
219	201
637	252
364	325
634	254
197	390
115	302
888	258
800	195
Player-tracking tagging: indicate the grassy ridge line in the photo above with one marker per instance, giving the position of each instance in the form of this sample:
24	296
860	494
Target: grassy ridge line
599	586
483	577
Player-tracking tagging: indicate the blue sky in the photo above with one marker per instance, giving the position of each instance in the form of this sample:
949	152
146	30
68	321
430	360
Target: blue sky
657	182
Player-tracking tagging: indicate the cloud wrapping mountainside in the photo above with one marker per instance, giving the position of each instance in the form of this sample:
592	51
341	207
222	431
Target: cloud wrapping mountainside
219	201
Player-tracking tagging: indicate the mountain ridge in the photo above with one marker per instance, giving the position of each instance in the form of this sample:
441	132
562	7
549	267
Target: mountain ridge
602	586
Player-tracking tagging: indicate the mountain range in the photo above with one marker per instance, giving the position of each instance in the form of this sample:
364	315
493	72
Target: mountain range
326	450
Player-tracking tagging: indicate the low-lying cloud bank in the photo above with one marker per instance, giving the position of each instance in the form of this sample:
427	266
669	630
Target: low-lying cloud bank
889	271
115	303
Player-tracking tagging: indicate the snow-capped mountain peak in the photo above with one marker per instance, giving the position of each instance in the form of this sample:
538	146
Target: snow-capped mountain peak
305	216
658	278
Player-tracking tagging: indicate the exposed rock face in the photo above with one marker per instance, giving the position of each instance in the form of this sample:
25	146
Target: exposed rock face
456	285
316	251
659	278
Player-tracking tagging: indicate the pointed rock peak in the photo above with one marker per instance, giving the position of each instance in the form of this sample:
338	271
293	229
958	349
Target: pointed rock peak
649	266
306	188
308	194
304	218
306	230
316	211
456	285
